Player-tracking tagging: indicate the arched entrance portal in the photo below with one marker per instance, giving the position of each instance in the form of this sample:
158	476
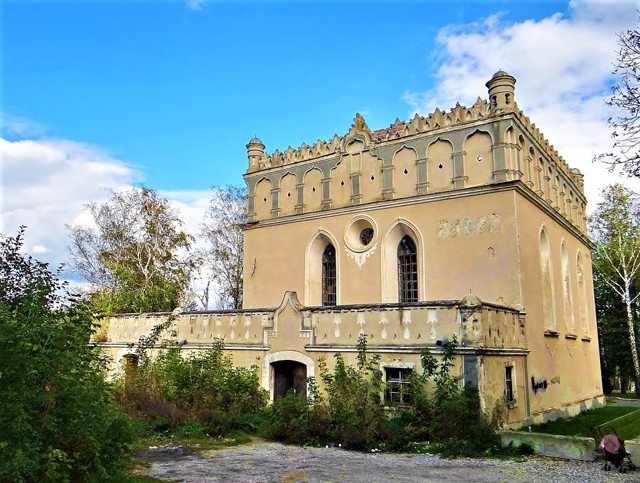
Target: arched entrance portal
289	376
286	370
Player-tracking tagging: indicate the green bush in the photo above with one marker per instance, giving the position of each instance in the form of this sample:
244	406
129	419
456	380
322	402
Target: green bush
204	389
58	418
350	412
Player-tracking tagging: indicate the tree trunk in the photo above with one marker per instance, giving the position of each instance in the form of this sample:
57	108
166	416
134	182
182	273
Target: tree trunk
632	341
607	386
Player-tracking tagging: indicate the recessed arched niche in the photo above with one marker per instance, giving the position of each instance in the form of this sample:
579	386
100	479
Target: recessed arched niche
313	190
478	159
405	172
288	195
262	200
440	166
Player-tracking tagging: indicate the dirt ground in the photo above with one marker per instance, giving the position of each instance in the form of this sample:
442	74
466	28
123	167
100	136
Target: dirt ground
271	462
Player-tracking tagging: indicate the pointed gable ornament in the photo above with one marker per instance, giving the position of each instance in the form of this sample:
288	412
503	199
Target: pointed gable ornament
359	124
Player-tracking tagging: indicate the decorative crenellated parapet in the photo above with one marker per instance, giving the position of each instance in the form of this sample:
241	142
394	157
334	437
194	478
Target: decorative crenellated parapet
550	151
259	160
193	328
475	323
491	326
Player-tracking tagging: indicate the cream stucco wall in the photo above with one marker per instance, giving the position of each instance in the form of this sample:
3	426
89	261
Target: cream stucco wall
478	230
568	360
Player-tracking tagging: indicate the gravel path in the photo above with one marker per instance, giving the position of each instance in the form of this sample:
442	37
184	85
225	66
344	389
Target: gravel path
271	462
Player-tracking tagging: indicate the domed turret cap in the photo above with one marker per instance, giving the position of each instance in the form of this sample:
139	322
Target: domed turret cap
470	301
500	73
255	141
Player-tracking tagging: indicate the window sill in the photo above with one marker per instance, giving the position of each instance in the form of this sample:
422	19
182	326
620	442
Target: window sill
586	338
570	336
512	404
551	333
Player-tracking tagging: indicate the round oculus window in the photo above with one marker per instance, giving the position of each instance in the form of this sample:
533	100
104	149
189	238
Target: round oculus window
360	234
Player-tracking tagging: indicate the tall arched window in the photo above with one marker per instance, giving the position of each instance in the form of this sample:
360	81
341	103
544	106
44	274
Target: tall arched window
329	275
407	271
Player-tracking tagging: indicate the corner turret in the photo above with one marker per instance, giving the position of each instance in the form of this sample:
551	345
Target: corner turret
501	92
255	154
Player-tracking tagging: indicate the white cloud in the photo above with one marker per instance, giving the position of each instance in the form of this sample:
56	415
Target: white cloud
563	66
45	185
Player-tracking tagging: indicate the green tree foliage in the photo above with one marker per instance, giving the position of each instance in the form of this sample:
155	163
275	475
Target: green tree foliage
223	234
615	356
615	229
626	98
136	256
58	419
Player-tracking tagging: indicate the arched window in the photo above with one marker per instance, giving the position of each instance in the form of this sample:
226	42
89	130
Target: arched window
329	275
407	271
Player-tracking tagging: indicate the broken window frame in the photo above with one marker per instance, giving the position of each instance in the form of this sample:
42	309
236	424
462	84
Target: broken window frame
509	386
398	388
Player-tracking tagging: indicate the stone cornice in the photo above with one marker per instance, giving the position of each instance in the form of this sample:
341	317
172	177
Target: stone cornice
416	349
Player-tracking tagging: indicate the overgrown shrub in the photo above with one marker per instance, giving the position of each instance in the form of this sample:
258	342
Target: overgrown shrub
354	399
58	418
350	411
203	388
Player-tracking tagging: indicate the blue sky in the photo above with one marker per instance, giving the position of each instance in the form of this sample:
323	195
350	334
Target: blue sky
113	94
178	92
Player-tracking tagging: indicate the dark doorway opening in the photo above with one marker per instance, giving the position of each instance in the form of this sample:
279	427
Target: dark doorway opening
289	376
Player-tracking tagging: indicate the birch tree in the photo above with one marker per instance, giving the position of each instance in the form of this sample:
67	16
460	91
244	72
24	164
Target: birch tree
223	234
135	256
626	99
615	230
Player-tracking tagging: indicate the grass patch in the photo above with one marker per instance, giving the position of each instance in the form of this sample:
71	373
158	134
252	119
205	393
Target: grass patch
587	423
196	443
627	427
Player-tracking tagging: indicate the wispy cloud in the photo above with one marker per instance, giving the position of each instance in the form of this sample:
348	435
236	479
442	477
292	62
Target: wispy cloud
19	126
562	64
196	4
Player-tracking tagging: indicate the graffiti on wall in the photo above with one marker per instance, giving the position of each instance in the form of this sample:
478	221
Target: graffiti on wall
540	384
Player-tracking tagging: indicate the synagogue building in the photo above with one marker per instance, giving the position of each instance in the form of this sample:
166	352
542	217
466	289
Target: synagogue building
463	223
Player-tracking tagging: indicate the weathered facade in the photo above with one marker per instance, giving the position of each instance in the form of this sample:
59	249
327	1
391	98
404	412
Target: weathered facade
463	223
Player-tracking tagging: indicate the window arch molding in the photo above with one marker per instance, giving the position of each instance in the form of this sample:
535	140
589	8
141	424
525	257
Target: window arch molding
389	259
313	267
